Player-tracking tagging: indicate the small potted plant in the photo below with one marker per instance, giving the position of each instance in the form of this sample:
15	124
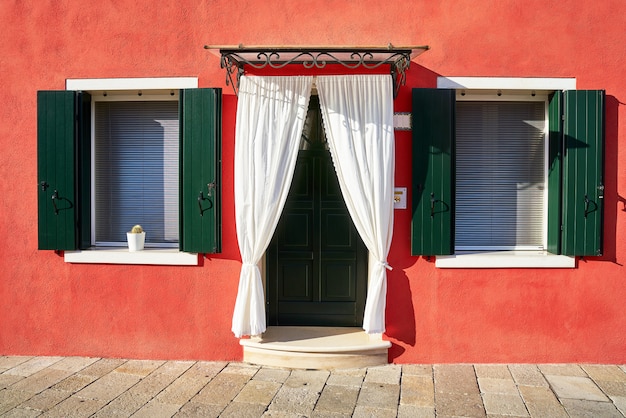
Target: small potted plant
136	238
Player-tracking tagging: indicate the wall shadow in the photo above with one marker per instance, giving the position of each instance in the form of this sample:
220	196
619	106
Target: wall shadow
611	164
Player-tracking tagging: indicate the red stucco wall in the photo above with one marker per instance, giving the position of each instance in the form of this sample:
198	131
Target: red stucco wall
49	307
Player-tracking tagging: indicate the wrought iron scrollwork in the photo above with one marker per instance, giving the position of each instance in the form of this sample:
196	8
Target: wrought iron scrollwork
234	60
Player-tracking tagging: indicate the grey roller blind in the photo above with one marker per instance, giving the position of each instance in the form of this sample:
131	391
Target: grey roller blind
500	175
136	170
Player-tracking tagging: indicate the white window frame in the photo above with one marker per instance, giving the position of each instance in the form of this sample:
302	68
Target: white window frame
115	89
507	89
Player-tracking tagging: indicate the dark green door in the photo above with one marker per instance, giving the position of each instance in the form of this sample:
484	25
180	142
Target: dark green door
317	263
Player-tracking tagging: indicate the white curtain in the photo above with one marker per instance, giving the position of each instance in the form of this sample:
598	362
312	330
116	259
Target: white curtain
270	117
358	118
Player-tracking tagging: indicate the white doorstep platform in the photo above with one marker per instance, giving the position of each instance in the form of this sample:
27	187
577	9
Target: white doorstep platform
316	348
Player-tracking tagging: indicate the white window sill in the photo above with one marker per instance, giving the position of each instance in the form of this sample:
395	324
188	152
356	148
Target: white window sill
505	259
154	256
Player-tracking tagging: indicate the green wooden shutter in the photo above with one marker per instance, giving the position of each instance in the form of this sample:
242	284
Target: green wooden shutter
583	184
555	148
432	226
200	188
56	154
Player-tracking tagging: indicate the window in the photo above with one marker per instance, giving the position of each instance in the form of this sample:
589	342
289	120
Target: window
494	173
500	175
136	170
108	160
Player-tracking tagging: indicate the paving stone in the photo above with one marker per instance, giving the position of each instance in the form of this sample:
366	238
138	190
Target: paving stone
338	399
258	392
137	396
502	386
493	371
222	389
102	367
46	399
312	379
8	362
41	380
269	374
242	368
368	412
22	413
174	367
194	410
388	374
75	407
541	402
283	414
417	369
455	378
504	404
139	367
583	408
156	409
345	379
108	387
10	398
608	373
574	387
620	403
325	414
124	405
562	370
7	380
208	369
32	366
612	388
74	383
379	395
187	385
527	374
417	390
294	400
459	404
414	411
243	410
74	364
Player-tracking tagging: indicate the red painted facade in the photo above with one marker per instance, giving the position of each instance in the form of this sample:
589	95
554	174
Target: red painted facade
50	307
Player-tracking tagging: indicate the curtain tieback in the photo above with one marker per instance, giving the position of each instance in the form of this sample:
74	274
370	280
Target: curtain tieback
386	265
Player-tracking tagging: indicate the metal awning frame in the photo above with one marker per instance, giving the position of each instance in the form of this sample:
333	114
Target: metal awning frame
235	59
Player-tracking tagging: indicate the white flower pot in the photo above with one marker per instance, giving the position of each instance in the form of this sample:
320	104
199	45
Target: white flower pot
135	241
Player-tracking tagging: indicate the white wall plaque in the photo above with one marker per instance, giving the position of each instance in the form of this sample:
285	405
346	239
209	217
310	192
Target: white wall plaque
399	198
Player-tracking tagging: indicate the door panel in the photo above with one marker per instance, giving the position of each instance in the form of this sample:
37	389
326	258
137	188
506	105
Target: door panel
317	263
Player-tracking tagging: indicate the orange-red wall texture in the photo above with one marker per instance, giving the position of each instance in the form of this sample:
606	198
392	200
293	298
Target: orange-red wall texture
50	307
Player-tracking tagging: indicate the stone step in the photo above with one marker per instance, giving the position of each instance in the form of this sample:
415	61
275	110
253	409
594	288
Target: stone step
316	348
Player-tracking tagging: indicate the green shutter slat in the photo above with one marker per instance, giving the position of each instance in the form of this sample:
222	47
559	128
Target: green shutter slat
56	151
432	225
583	184
555	147
200	130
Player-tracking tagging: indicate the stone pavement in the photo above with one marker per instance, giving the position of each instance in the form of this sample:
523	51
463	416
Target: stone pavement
101	387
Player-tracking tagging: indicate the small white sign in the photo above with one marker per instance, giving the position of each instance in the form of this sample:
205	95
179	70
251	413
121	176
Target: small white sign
399	198
402	121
